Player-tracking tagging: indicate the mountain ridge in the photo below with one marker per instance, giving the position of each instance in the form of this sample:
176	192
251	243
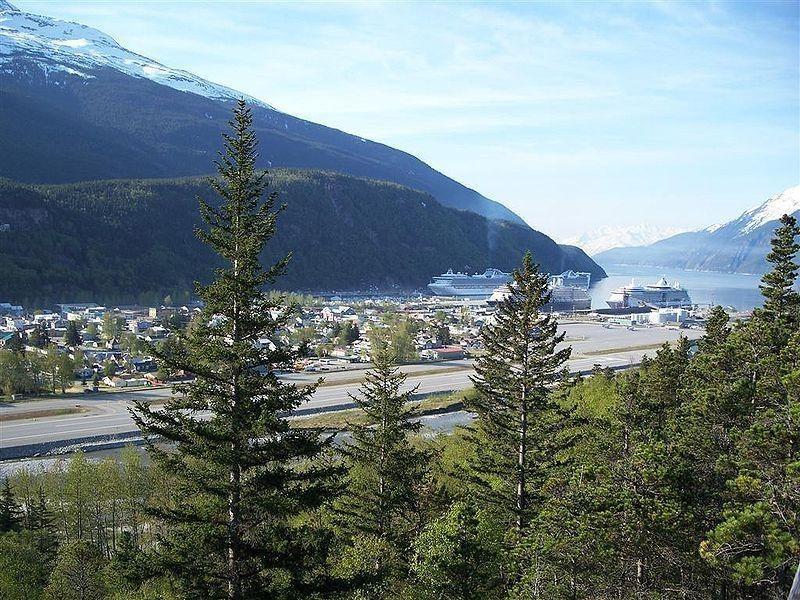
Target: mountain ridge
736	246
623	236
69	42
154	125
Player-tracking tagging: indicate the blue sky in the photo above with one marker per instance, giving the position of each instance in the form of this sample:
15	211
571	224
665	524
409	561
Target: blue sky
574	115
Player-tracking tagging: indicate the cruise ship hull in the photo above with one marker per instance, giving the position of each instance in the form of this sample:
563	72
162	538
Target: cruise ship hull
468	286
658	295
448	290
568	293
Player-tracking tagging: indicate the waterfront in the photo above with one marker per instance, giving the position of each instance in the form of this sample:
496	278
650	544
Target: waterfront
728	289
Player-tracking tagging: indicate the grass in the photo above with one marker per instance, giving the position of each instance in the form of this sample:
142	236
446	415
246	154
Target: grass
38	414
625	349
76	391
411	375
342	419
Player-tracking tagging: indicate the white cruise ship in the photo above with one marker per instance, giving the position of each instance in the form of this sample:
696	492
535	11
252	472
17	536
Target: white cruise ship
569	292
656	295
461	284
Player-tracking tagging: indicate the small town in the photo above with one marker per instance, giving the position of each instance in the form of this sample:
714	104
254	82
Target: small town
89	346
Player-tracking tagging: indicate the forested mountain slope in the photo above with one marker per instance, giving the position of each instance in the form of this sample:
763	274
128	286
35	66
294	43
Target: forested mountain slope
133	240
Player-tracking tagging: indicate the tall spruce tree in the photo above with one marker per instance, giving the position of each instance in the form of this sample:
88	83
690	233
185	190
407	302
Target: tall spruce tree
516	419
72	337
40	520
717	329
781	301
756	539
10	511
241	473
383	467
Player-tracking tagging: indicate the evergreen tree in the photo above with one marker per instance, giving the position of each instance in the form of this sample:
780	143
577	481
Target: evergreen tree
16	343
717	328
756	541
23	570
441	333
127	569
456	556
384	469
781	301
72	338
241	473
659	522
39	337
378	513
513	403
10	512
41	522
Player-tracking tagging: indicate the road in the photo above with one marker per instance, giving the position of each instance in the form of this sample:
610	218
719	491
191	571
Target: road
107	413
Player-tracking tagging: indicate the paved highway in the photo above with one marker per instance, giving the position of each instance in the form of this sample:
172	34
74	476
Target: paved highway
107	413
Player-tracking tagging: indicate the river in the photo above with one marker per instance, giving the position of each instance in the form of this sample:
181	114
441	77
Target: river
728	289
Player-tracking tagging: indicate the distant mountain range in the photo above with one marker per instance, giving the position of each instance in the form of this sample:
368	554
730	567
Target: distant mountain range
76	106
129	241
737	246
605	238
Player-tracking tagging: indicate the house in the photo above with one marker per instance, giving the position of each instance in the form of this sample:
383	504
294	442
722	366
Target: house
47	319
84	373
76	307
144	365
13	323
7	338
121	382
664	316
443	353
11	310
139	325
156	333
337	313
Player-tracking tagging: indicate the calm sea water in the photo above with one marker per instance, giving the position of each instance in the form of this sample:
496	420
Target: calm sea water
728	289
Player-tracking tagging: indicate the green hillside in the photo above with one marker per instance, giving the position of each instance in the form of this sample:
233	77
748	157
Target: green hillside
133	240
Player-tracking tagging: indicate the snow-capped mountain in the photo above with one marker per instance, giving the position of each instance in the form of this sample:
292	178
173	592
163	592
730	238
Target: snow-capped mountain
77	106
605	238
785	203
79	50
739	245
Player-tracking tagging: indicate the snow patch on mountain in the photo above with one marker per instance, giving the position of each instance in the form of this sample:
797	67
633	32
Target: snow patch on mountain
605	238
785	203
55	45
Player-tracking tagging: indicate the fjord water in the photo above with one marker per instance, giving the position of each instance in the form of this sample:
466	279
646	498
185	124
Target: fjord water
705	287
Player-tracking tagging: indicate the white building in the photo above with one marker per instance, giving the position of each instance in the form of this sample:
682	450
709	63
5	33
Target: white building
666	316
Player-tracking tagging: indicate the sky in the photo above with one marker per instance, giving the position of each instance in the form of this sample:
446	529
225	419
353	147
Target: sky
574	115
